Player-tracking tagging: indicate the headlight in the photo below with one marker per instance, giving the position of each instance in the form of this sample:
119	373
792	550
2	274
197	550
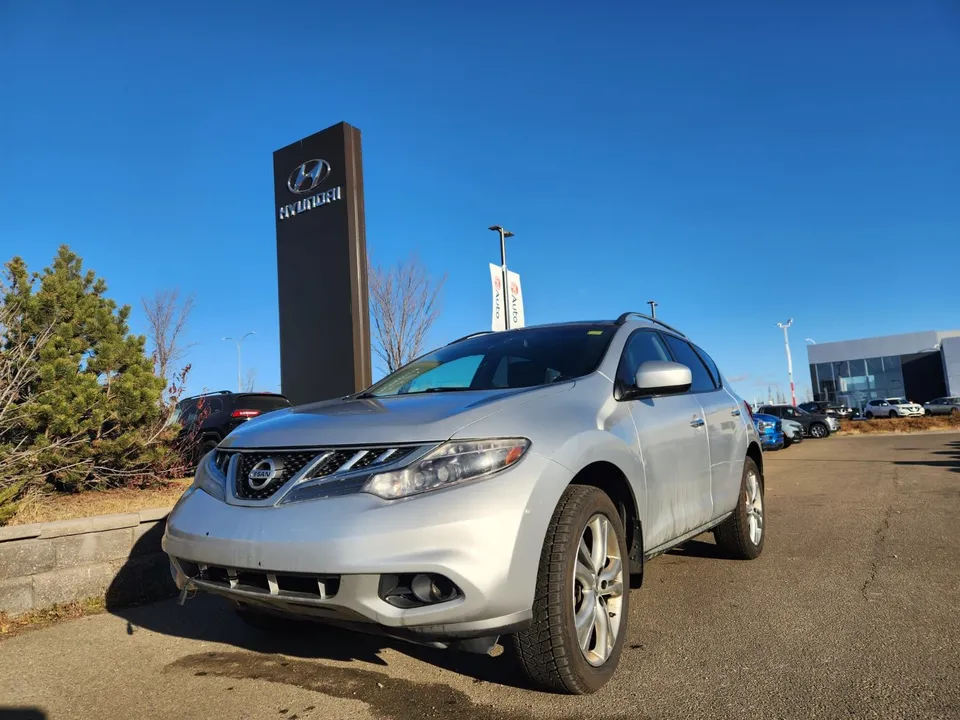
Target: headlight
761	425
209	478
450	464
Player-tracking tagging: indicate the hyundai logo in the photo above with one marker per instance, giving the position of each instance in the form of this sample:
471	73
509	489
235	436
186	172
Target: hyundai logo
263	473
307	176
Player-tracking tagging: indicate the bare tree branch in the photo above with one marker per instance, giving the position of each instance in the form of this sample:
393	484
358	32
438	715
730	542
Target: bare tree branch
404	303
250	380
166	319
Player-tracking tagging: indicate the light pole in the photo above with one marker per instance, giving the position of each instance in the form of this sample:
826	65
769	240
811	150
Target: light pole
786	344
811	341
252	332
504	234
653	308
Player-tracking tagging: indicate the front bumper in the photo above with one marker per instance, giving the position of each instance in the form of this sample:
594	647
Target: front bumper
485	537
771	441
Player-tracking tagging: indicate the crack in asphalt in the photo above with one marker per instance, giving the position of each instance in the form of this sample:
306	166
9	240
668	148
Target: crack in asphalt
389	698
880	539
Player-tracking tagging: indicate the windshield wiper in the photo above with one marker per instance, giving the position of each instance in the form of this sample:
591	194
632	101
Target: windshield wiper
439	389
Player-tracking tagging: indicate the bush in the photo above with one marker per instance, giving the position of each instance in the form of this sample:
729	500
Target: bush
80	405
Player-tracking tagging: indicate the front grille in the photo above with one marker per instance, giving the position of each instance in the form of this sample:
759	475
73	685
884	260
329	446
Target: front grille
293	463
288	463
284	585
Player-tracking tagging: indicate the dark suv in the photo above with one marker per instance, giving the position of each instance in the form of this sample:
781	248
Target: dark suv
814	425
209	418
823	407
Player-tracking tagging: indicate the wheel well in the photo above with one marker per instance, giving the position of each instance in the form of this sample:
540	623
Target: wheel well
756	454
609	478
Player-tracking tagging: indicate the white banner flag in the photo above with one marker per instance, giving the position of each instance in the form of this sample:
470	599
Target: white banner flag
498	321
516	300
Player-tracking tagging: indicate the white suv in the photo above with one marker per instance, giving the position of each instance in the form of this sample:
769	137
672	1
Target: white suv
892	408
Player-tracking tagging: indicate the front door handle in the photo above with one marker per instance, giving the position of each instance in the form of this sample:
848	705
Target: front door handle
696	422
735	413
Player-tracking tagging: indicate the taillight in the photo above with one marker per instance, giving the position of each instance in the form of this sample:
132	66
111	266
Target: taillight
749	409
244	413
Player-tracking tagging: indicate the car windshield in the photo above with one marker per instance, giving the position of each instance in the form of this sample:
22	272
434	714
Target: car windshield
896	401
502	360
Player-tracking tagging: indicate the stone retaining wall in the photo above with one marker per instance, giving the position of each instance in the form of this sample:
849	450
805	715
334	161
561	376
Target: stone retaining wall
117	557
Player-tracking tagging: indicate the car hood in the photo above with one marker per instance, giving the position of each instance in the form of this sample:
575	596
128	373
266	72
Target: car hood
429	417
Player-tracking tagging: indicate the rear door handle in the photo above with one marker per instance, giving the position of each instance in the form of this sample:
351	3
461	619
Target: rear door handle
735	413
696	422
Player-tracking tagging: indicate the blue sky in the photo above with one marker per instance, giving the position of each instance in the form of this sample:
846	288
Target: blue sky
740	162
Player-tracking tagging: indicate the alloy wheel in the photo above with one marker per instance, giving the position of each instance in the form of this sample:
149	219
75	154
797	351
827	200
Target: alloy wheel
598	590
754	506
817	431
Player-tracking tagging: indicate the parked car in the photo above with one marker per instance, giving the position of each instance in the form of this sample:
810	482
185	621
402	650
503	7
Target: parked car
770	430
825	407
815	426
943	406
891	408
509	483
208	418
792	432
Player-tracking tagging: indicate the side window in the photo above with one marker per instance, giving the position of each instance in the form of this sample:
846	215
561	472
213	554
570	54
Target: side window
702	382
641	347
214	405
711	365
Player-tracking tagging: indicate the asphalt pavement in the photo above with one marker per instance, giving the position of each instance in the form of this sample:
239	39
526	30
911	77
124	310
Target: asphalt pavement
853	610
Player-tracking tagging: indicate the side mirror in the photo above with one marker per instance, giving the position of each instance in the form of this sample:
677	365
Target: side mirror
657	377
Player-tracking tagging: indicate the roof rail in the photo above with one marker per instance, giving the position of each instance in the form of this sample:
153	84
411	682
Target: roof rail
623	318
467	337
212	392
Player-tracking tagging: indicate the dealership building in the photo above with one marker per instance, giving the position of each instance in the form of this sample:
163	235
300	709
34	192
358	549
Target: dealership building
918	366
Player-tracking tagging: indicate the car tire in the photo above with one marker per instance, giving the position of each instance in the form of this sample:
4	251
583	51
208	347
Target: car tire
741	536
868	415
551	652
819	431
893	414
208	445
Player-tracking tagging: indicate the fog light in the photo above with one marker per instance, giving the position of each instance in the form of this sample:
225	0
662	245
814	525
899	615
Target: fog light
423	589
416	590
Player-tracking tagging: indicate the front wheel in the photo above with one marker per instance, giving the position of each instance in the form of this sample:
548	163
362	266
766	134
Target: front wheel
819	430
869	416
893	414
581	604
741	536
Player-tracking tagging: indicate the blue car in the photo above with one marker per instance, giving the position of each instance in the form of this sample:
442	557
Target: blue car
770	429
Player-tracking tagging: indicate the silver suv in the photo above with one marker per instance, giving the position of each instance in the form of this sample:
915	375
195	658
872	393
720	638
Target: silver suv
509	483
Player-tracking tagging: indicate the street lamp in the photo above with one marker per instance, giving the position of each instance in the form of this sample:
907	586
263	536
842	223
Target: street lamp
811	341
786	344
504	234
252	332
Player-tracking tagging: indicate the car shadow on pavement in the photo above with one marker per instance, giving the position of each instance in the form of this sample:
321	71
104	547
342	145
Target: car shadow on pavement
211	619
700	549
950	461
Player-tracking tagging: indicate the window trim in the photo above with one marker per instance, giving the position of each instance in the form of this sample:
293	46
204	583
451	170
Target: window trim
701	353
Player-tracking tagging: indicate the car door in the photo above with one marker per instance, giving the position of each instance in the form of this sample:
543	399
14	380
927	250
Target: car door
673	446
726	432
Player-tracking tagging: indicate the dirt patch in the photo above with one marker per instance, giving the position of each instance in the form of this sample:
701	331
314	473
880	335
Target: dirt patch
47	508
901	425
42	618
389	698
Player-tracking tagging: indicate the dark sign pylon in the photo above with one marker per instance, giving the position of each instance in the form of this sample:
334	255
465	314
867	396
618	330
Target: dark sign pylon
322	266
